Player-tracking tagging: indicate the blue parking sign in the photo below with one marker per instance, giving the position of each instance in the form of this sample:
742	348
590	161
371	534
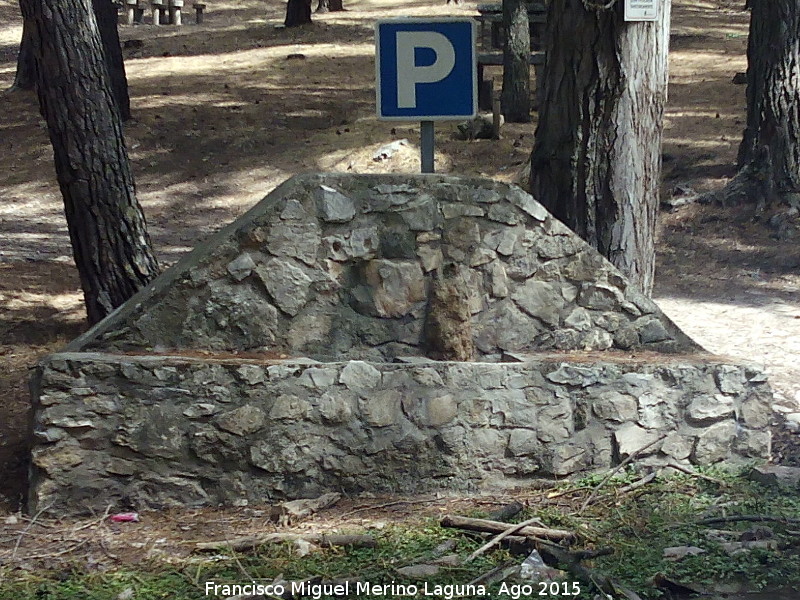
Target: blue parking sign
425	69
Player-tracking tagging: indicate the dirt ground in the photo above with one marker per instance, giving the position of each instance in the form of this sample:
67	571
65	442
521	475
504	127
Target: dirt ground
225	111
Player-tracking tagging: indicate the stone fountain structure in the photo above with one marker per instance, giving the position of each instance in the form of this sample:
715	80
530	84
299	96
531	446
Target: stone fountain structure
290	354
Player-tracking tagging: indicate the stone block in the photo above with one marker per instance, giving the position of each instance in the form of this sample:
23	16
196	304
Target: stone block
381	408
287	284
523	442
252	374
336	406
540	299
451	210
654	413
297	240
678	446
318	377
630	438
333	206
576	375
200	410
430	257
561	246
358	375
651	330
293	211
780	476
503	212
397	286
289	408
616	407
243	420
730	379
704	410
422	214
441	410
600	296
578	318
241	266
499	280
503	240
751	443
510	408
503	326
714	443
566	459
526	203
755	410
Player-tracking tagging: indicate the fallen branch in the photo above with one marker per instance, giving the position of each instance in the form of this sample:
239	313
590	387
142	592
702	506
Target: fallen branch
554	495
93	522
637	484
497	574
60	553
689	471
324	540
749	518
619	467
290	512
499	537
387	505
27	527
487	526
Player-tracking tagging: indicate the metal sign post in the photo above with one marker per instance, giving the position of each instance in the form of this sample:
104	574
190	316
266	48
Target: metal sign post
426	142
426	71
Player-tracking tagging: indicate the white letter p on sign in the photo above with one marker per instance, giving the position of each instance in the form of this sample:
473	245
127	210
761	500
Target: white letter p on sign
409	74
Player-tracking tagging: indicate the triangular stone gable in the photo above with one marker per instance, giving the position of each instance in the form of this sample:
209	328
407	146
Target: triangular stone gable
337	267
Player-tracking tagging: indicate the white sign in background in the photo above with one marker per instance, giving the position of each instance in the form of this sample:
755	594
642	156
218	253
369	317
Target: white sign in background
641	10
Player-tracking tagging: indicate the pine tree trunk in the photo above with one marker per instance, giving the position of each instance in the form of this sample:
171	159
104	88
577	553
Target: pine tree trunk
773	91
516	96
106	14
596	162
106	225
298	12
25	78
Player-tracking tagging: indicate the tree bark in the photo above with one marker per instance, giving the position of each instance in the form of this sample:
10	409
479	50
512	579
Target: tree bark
324	6
596	162
106	14
516	95
773	92
298	12
25	78
107	228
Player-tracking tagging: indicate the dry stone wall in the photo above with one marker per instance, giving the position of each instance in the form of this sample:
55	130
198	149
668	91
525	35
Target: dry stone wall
170	431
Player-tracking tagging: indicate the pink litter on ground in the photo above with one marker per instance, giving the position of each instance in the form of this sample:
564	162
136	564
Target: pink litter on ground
127	517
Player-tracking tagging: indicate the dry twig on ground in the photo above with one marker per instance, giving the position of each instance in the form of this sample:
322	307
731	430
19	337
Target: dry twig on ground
618	468
487	526
324	540
748	518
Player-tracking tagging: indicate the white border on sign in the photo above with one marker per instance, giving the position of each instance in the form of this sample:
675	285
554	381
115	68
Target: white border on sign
396	20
